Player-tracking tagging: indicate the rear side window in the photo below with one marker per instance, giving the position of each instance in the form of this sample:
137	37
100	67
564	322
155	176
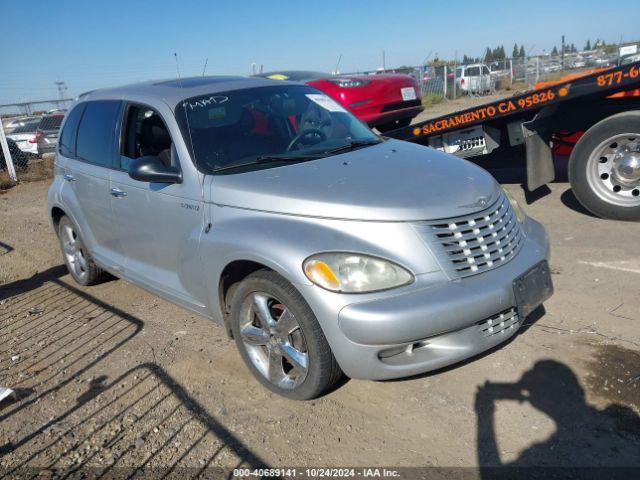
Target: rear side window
52	122
485	71
473	72
68	137
95	133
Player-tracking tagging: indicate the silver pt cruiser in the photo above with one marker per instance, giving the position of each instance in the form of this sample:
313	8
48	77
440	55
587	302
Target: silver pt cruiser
320	246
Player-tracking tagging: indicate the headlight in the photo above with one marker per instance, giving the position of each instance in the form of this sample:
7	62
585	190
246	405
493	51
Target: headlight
354	273
348	82
515	205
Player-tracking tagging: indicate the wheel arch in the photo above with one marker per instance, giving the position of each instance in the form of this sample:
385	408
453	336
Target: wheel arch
236	270
230	277
56	214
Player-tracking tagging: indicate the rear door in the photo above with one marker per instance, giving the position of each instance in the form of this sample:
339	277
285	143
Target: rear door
89	159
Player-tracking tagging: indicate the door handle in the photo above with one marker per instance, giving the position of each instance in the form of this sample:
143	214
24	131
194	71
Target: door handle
69	178
116	192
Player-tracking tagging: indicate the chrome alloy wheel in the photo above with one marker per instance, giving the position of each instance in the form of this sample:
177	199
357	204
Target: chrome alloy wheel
613	170
73	251
274	340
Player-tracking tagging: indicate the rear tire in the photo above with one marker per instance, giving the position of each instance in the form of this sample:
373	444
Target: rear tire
77	258
280	339
604	167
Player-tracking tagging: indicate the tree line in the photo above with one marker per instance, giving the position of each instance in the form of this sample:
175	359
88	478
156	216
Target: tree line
496	54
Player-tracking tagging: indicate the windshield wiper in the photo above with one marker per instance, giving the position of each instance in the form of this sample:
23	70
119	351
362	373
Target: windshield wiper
353	144
268	159
286	158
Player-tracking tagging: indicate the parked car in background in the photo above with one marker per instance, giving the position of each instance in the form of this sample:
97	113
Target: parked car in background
18	157
47	133
25	137
384	101
579	63
630	59
474	78
10	125
552	67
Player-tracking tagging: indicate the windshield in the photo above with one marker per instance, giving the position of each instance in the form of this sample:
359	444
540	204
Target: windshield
279	123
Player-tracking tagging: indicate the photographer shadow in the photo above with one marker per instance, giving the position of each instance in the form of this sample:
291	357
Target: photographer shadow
584	435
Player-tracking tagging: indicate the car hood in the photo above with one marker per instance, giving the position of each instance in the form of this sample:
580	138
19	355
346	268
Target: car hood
392	181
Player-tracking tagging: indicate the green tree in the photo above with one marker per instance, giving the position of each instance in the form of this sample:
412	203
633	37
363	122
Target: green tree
488	55
514	54
521	54
588	45
554	52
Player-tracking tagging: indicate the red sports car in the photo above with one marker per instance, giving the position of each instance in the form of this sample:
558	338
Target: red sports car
385	101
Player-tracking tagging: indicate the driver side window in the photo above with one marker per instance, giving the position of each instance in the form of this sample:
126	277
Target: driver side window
144	133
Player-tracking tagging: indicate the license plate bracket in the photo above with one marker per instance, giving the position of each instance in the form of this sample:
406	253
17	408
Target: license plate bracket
532	288
408	93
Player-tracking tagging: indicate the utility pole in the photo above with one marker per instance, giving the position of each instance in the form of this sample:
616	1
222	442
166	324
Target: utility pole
562	54
62	88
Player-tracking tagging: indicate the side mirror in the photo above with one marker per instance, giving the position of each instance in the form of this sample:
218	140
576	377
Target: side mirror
151	169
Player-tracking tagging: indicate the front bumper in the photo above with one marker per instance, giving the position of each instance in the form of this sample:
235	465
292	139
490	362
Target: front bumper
430	328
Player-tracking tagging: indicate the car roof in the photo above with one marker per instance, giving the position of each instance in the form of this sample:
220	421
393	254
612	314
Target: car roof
294	75
173	91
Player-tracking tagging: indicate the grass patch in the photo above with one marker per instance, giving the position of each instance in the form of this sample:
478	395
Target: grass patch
431	99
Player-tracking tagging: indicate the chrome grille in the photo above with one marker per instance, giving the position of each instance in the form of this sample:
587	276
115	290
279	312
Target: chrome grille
475	243
500	323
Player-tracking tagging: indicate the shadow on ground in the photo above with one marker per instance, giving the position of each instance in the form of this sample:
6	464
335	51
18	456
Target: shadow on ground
56	343
585	437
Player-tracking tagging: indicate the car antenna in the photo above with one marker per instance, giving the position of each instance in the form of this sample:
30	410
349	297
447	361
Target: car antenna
206	60
336	72
178	68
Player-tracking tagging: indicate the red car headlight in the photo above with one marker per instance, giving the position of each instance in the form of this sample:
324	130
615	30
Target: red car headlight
347	82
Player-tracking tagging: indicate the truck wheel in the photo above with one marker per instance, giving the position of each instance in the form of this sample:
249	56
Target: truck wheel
76	256
280	339
604	167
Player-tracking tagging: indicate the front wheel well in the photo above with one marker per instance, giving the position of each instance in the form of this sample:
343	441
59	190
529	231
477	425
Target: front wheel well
56	214
230	278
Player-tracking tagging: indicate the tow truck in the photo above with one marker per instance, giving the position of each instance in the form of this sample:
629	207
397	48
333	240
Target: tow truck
604	163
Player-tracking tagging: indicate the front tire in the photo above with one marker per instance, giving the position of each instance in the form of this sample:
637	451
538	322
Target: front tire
79	262
604	167
280	339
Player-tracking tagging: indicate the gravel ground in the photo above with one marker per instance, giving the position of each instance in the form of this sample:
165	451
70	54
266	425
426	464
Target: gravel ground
110	377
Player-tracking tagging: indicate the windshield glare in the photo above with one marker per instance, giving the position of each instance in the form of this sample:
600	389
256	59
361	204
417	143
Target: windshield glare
242	126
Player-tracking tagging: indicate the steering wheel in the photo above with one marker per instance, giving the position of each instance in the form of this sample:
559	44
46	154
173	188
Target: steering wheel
305	133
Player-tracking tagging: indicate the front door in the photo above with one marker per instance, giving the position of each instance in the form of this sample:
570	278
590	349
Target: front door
159	225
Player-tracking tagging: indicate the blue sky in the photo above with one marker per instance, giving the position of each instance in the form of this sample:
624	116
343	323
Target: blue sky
91	44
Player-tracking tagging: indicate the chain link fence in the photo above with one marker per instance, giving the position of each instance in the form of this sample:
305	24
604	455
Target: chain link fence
28	139
443	81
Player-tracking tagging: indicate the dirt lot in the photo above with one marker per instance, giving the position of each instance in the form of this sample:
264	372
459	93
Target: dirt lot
111	377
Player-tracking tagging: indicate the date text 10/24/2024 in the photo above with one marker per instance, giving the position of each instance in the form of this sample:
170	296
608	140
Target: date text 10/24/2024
316	472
